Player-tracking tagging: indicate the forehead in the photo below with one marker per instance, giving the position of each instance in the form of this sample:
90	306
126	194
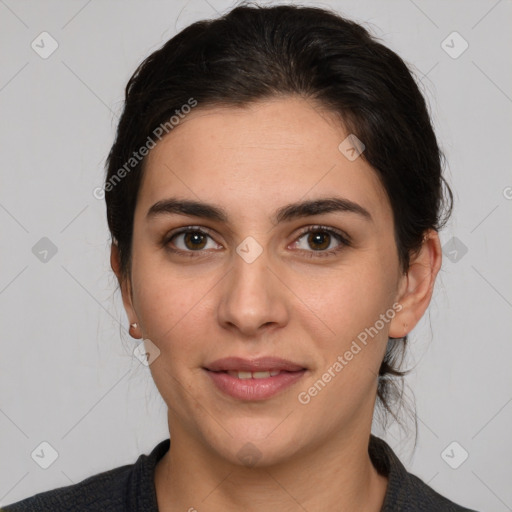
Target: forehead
278	151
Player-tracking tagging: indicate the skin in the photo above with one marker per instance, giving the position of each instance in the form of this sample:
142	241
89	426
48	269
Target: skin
288	303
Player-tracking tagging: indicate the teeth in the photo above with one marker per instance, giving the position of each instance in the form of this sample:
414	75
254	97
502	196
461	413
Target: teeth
261	375
254	375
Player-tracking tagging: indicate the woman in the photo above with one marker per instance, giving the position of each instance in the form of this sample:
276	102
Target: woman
274	196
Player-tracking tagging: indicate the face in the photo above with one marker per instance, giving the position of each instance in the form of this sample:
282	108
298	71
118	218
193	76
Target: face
255	277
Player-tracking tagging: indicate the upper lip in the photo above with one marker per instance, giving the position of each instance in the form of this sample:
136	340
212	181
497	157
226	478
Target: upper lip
253	365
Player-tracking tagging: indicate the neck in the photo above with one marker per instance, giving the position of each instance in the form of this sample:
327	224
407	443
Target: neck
335	475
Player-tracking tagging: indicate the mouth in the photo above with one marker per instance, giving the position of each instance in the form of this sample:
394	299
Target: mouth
254	366
252	380
254	375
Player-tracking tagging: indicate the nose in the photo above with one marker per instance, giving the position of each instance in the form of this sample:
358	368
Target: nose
253	298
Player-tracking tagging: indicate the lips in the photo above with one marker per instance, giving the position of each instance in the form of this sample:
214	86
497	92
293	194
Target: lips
253	379
262	364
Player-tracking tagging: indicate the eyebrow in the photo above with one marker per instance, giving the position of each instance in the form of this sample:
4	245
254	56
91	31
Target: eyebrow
286	213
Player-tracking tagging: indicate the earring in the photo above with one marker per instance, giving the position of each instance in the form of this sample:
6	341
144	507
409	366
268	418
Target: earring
133	327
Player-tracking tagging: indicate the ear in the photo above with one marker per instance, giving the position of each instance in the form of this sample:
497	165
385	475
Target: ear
416	286
124	283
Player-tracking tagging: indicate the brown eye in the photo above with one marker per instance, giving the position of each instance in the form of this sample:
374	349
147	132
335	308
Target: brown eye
194	240
321	241
189	240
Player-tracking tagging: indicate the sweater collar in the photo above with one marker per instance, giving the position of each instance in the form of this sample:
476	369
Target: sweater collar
388	464
381	455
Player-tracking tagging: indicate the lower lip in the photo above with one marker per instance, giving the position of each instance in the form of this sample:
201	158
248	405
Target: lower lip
254	389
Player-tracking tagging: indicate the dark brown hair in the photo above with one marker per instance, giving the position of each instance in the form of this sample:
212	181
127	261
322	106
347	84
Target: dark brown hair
253	53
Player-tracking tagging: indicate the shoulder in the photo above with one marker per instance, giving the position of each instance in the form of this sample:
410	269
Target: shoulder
124	488
426	498
406	492
104	491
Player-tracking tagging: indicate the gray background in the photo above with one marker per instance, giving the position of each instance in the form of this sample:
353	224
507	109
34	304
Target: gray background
67	372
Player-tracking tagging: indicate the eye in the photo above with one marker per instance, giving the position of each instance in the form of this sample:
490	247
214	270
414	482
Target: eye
190	239
321	239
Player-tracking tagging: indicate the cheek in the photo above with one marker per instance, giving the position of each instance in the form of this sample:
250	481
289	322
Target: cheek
351	304
346	300
161	299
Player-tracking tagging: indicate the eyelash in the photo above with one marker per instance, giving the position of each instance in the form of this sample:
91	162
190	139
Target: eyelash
338	235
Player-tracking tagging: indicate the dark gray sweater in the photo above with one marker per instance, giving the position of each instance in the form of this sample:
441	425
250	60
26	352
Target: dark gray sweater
131	488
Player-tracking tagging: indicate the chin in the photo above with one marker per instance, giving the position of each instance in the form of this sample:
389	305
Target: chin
256	444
